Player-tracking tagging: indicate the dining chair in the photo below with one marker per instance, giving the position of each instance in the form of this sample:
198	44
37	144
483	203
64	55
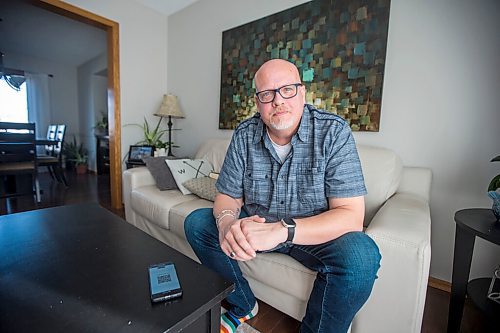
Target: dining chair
18	157
53	162
51	135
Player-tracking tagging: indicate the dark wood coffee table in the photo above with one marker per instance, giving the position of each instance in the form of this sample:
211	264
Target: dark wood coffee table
81	268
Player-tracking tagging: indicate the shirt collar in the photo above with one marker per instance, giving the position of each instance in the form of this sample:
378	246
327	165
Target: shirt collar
302	133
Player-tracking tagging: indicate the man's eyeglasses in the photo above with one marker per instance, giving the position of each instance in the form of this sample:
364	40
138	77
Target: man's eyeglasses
288	91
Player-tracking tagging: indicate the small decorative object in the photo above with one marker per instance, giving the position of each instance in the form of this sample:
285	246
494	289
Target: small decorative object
162	152
169	107
494	191
494	290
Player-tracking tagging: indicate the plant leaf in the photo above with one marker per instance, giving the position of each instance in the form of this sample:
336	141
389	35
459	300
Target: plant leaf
494	184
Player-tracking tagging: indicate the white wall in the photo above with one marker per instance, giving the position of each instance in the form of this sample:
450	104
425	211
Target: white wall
143	64
100	105
440	98
92	97
62	88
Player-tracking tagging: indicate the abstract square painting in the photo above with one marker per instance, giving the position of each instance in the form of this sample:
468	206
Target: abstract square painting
339	47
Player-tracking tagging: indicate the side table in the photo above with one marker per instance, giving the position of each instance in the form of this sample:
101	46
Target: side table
134	164
469	224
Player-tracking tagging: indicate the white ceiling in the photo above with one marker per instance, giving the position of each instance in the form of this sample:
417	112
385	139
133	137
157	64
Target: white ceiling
166	7
32	31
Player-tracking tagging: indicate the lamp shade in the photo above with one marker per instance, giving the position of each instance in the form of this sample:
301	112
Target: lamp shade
169	107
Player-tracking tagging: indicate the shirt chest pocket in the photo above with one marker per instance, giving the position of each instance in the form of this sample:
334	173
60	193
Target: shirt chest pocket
257	188
311	184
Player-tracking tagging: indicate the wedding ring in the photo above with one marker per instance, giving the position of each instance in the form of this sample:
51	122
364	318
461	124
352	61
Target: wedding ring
232	254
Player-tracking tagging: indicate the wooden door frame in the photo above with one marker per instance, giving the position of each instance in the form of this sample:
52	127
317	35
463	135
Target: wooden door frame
112	30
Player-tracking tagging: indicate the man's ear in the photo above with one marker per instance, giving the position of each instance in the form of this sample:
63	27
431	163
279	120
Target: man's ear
257	103
303	91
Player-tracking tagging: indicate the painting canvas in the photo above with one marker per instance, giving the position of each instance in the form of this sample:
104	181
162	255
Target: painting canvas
339	47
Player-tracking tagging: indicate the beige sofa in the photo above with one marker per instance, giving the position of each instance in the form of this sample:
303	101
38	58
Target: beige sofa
397	218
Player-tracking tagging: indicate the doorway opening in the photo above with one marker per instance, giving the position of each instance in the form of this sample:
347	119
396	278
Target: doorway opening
113	86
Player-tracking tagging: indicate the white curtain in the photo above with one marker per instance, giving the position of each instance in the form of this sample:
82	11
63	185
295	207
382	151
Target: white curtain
37	89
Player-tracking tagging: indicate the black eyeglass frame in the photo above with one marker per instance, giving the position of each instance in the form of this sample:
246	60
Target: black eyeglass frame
277	90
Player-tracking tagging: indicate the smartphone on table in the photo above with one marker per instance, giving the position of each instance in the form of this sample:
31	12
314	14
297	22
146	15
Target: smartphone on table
163	282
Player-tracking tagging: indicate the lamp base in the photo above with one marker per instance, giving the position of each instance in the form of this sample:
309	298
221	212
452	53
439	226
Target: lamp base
170	136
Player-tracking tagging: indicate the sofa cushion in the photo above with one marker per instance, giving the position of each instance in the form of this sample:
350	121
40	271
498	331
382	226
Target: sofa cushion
161	172
204	187
274	268
154	204
179	212
214	151
382	170
185	169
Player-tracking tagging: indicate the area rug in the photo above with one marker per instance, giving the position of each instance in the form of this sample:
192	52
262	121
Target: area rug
243	328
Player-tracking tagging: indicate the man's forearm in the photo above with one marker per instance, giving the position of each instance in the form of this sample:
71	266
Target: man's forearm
226	208
331	224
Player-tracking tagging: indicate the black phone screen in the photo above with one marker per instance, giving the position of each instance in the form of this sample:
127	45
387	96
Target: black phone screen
163	281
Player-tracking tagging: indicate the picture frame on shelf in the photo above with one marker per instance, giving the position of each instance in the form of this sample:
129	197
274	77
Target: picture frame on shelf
137	152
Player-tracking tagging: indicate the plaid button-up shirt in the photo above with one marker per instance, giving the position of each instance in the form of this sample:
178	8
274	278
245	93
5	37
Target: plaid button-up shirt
322	163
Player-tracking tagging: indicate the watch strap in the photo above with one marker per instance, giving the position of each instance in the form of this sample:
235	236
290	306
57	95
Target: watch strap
290	224
291	234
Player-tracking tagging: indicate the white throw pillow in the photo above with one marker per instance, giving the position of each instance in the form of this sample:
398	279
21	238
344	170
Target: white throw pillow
186	169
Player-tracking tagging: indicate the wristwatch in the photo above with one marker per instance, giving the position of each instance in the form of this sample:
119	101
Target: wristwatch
289	223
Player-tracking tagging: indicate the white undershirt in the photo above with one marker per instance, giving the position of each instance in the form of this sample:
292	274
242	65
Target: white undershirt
281	151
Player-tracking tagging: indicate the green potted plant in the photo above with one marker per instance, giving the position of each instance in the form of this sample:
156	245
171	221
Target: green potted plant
80	159
101	126
494	191
152	136
69	151
76	156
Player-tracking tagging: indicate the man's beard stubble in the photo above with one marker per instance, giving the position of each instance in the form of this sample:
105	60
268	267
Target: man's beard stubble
279	124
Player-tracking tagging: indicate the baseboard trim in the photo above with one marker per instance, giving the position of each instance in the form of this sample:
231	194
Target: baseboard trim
439	284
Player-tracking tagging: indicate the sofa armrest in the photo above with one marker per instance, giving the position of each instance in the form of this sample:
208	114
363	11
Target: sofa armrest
416	181
402	231
132	179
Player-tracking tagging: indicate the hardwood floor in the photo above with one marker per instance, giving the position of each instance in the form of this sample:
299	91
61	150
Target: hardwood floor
435	317
92	188
82	188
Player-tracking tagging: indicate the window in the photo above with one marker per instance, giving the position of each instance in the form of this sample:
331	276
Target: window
13	104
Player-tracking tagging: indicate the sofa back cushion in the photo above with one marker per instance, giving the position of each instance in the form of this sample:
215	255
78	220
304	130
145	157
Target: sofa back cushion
382	170
213	151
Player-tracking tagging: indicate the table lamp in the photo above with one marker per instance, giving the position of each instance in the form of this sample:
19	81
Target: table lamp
169	107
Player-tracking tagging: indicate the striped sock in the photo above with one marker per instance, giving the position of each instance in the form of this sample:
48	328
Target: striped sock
229	323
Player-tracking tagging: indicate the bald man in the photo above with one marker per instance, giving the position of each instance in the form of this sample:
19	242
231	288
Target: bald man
291	183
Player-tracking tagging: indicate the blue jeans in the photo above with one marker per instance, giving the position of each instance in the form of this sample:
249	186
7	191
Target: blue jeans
346	266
